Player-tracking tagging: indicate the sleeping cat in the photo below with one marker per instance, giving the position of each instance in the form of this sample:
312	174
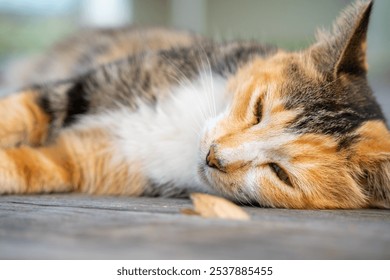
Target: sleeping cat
158	112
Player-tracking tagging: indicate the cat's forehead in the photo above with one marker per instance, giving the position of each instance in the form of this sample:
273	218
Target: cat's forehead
323	105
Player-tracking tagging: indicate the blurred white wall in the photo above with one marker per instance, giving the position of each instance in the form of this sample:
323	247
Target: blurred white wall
104	13
189	14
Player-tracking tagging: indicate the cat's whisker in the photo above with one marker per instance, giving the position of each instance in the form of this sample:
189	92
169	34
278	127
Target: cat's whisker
187	82
198	126
238	198
205	82
205	91
196	120
246	199
192	114
211	80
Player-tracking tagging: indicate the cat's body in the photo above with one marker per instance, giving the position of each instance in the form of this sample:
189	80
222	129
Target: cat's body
179	113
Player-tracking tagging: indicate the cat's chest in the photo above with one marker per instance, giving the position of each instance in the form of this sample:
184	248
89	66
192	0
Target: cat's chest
164	139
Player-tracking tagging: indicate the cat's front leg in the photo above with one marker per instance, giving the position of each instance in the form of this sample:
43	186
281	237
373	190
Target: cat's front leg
25	170
79	160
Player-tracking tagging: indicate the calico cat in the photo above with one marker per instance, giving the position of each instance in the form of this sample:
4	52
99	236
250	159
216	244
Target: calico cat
158	112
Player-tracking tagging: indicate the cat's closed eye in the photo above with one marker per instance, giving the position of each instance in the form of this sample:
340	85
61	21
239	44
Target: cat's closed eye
282	175
259	111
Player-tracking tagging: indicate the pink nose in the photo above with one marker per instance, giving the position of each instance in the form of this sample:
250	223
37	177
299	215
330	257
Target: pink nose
212	159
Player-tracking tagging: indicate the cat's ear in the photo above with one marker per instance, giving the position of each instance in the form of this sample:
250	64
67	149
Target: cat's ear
370	159
343	51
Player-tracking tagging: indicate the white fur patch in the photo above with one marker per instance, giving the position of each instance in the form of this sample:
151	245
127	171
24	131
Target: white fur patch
165	139
259	152
251	185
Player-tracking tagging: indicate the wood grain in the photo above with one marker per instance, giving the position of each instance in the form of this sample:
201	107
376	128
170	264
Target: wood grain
84	227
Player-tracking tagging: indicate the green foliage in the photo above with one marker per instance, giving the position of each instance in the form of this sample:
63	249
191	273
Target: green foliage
21	35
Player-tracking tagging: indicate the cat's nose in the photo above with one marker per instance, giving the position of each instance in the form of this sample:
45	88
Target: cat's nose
212	159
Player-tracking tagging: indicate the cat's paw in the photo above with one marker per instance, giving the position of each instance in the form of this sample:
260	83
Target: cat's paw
10	179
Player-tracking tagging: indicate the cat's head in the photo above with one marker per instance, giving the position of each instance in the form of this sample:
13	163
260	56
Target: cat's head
303	129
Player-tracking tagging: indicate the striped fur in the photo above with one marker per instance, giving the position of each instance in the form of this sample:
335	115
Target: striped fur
158	112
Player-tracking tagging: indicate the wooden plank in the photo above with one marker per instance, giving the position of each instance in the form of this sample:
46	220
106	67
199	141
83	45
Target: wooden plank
79	227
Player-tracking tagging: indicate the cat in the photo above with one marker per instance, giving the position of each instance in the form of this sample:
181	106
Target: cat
163	113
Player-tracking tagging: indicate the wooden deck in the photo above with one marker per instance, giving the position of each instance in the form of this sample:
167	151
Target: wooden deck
82	227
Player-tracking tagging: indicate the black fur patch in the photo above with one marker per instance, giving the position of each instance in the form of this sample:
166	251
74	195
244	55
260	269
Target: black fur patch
337	107
44	102
78	103
240	54
94	51
346	141
146	82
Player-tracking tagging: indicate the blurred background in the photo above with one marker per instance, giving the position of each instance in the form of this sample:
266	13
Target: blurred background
27	27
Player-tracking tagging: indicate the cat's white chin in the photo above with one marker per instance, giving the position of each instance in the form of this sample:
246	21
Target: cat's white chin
205	176
223	184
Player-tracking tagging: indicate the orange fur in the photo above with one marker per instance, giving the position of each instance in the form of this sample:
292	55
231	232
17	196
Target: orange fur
320	174
37	171
77	161
95	171
374	140
22	121
370	161
302	130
